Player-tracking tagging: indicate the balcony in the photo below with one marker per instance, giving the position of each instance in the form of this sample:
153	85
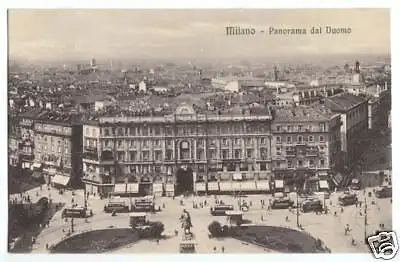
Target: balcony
90	156
90	149
291	153
312	153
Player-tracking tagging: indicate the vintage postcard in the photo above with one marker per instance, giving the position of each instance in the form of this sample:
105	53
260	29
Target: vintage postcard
200	131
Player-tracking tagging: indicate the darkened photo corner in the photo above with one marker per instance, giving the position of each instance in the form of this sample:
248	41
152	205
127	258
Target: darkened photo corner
200	131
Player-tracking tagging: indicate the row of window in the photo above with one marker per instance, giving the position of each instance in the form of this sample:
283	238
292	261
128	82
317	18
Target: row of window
66	161
146	155
301	128
169	143
179	129
300	139
292	149
302	163
53	148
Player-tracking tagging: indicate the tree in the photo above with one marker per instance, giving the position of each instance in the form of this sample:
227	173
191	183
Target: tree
214	228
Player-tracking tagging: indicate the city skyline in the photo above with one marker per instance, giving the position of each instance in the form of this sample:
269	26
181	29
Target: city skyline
120	34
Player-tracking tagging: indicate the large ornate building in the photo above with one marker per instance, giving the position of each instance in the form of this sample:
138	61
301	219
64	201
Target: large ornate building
178	152
192	151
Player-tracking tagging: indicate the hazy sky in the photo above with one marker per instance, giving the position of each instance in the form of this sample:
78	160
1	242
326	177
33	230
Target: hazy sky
82	34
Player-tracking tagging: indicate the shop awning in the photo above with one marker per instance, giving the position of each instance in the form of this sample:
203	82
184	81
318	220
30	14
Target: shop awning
248	185
263	185
157	187
225	186
170	187
120	188
278	183
132	188
237	176
337	179
61	180
323	184
200	186
213	186
37	174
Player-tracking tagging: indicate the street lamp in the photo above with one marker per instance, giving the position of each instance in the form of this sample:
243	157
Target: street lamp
297	208
365	218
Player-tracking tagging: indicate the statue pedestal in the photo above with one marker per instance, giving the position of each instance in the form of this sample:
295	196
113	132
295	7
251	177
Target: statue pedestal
187	244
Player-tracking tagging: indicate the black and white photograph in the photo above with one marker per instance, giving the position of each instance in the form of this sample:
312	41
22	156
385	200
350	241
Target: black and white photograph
200	131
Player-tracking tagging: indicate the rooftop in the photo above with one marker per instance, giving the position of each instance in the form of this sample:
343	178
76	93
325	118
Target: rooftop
312	113
54	117
342	102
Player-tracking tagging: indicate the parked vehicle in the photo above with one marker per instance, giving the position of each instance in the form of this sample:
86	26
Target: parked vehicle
220	210
348	199
77	212
281	203
383	192
144	204
311	205
116	206
355	184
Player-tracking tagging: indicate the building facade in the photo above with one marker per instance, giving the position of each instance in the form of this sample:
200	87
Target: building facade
379	106
183	151
26	143
354	116
14	136
306	146
58	148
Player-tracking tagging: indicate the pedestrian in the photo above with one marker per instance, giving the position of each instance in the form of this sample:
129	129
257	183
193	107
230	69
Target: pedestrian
262	218
287	219
223	249
215	249
47	246
72	200
158	241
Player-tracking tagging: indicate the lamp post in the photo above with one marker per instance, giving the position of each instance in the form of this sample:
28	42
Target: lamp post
297	208
365	218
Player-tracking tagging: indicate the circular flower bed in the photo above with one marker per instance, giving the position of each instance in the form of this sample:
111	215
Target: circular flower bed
280	239
98	241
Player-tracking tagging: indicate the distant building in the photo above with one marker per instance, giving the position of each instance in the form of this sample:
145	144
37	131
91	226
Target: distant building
102	104
142	86
160	89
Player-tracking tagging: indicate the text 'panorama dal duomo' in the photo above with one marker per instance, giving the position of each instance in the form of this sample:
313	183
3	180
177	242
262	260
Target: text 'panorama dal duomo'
314	30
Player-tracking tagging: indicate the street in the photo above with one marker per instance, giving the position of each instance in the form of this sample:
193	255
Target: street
328	227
